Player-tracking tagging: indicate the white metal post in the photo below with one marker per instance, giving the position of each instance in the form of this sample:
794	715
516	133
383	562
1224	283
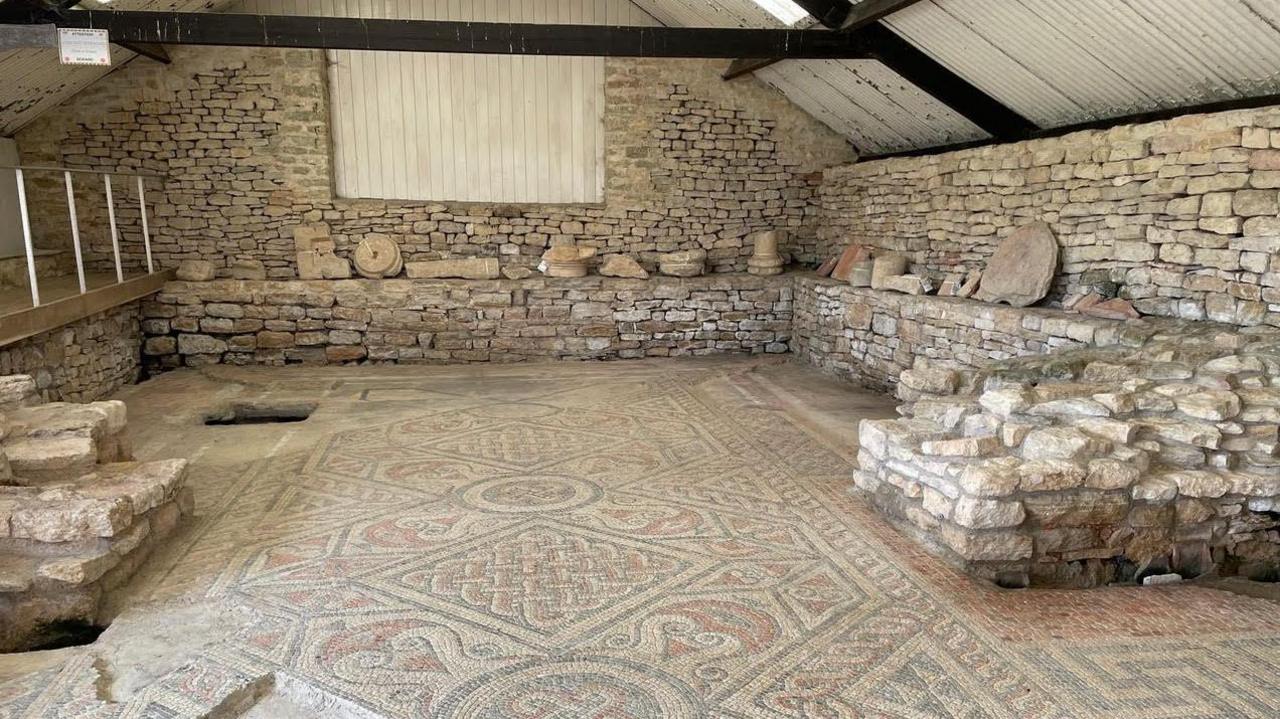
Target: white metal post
115	233
75	231
26	238
146	233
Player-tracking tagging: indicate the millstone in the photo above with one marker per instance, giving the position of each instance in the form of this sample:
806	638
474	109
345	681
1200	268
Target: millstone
378	256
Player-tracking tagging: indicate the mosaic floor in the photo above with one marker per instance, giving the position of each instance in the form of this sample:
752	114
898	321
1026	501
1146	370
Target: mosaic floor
642	540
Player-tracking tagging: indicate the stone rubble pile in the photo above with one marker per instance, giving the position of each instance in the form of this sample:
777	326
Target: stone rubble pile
77	516
1092	465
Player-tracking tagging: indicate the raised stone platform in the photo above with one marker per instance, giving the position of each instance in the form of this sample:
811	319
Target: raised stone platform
77	517
1157	454
459	321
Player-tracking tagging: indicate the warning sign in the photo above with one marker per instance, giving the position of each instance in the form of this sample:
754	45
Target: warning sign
83	47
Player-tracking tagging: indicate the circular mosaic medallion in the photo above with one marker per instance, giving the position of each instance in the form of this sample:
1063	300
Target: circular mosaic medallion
573	687
530	493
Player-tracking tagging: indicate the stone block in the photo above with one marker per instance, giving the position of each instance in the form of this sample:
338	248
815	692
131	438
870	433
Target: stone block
474	268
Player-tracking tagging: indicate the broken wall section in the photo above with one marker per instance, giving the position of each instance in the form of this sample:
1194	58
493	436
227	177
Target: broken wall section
1089	466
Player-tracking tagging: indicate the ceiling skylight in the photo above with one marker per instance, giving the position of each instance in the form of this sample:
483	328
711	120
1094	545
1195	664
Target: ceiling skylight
785	10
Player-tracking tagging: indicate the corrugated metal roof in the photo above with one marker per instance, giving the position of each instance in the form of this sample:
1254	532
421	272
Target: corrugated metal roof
870	104
33	81
1057	63
1061	63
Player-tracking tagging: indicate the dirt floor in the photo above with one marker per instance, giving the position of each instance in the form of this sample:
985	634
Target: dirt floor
656	539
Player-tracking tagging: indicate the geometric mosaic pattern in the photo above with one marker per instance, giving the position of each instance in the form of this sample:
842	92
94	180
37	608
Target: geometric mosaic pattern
640	540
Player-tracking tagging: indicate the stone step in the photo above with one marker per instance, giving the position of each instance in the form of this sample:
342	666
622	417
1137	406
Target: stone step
102	503
59	440
23	568
36	459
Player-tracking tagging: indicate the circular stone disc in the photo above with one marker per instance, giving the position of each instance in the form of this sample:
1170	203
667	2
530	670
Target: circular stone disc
377	256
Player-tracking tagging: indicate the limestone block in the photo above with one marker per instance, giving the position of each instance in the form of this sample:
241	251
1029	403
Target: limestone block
907	284
78	569
987	546
1111	474
248	270
196	271
931	380
991	478
1062	443
1155	489
1006	402
1199	484
886	266
962	447
1112	430
68	520
686	263
189	344
1050	475
517	273
1022	268
1078	509
17	391
622	266
987	513
1074	407
471	268
37	458
1214	406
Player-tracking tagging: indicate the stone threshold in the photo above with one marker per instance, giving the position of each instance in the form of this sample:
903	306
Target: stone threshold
20	325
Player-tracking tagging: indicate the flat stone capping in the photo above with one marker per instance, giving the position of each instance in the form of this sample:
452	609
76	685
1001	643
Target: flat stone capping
871	336
452	321
29	322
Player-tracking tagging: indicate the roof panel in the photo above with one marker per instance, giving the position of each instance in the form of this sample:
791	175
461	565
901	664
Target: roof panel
33	81
1064	63
874	107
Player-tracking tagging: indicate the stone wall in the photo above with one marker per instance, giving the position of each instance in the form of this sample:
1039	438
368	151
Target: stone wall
1182	215
871	336
420	321
243	136
82	361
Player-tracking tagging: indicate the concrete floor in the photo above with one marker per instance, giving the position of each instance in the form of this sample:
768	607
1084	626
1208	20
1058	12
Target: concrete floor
560	541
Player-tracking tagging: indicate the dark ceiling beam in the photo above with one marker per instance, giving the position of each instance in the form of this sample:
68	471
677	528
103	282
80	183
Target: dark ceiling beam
862	15
155	52
341	33
831	13
931	76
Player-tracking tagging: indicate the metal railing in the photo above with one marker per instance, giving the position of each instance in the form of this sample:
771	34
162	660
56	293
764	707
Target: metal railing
67	172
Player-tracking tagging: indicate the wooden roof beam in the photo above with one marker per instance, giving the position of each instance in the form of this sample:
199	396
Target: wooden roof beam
345	33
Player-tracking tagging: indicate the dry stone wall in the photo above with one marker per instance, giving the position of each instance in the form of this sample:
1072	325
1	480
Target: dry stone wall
82	361
871	336
1180	216
1089	466
437	321
243	136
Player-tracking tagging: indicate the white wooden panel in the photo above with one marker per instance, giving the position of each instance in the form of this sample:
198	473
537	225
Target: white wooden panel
463	127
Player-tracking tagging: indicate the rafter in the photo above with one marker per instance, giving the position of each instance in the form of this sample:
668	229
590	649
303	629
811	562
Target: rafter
864	14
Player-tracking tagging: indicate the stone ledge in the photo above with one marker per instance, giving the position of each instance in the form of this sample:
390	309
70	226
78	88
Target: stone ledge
457	321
